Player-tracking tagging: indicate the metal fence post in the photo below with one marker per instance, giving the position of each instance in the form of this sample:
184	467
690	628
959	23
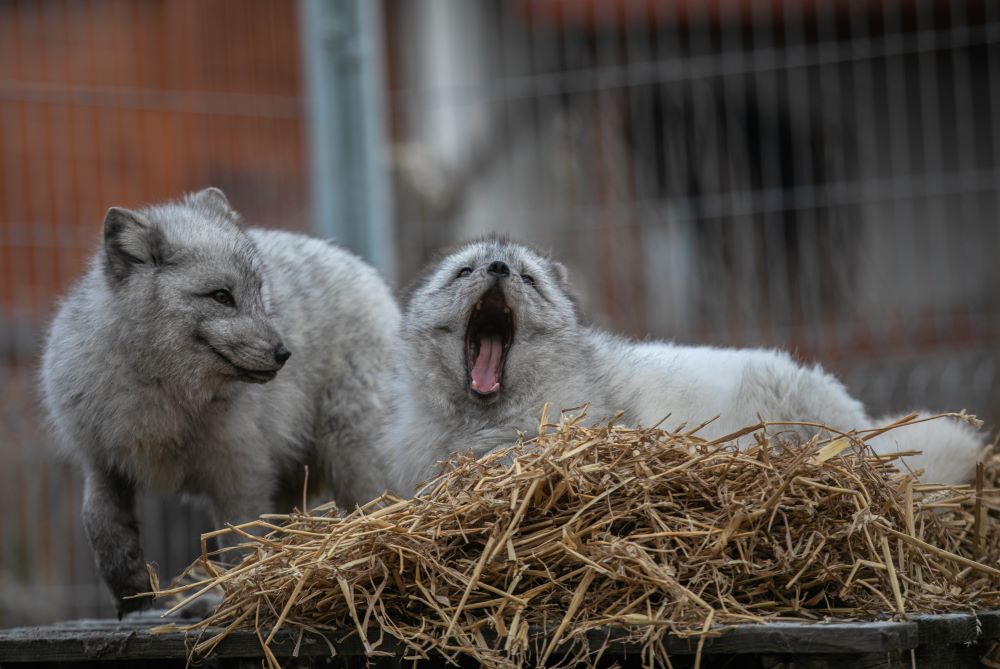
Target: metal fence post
351	196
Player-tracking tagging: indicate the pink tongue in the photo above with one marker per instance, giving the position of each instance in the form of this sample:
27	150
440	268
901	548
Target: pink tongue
486	369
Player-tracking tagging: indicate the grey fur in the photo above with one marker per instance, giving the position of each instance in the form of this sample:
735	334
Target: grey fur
150	382
555	358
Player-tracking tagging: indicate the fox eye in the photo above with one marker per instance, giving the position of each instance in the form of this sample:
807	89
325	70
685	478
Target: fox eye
224	297
528	279
465	271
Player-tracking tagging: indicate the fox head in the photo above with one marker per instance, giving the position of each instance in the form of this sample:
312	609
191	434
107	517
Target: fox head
190	285
489	322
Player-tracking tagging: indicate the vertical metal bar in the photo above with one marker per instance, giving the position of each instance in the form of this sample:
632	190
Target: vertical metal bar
89	204
54	567
934	210
33	211
967	251
711	168
678	323
614	205
343	66
894	148
770	198
569	207
863	122
814	225
538	113
734	195
509	43
992	19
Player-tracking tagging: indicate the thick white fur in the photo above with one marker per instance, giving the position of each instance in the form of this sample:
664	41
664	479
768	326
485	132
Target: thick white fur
555	359
949	449
695	384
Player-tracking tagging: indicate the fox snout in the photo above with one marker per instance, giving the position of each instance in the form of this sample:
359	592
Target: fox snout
257	364
259	356
252	351
281	354
498	268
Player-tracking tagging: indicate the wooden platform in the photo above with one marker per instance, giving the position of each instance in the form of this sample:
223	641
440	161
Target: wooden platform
952	640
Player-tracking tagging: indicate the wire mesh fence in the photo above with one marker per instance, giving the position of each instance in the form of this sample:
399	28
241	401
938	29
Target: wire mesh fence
110	102
819	176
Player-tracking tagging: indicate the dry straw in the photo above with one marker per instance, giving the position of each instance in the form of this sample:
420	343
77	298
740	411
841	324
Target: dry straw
519	554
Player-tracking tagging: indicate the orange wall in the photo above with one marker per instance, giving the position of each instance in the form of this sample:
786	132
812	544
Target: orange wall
106	102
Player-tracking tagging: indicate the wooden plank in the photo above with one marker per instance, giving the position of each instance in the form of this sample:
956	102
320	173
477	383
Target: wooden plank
806	638
957	628
111	640
990	622
84	640
899	660
949	657
946	629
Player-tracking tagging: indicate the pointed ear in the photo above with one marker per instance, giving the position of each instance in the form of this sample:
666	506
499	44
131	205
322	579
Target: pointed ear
562	277
213	199
130	241
562	274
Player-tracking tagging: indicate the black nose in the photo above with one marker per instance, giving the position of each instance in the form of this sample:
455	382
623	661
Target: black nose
281	354
499	268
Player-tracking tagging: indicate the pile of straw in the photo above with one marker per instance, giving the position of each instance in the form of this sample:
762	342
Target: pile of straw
643	530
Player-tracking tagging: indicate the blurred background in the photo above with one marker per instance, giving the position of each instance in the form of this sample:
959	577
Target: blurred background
818	175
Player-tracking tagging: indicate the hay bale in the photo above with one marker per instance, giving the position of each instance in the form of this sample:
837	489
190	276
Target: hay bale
584	527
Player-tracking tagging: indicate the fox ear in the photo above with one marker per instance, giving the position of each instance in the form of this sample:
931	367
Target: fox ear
562	274
130	241
212	198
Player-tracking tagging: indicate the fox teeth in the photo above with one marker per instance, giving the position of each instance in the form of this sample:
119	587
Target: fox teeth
506	310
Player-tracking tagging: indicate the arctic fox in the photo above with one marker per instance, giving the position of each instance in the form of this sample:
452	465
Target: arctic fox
161	370
492	333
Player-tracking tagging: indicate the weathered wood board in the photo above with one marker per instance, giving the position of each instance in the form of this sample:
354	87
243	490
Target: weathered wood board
949	640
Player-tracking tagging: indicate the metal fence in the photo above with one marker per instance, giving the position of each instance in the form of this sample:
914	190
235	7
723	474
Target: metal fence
818	176
113	102
821	176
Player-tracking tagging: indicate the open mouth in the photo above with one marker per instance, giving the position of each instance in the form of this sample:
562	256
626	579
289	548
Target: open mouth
487	340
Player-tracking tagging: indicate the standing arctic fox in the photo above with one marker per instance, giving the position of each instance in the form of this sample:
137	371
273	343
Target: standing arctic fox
492	333
161	370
